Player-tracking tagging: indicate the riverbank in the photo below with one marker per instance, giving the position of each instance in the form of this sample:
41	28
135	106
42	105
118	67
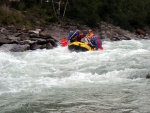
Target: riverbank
19	39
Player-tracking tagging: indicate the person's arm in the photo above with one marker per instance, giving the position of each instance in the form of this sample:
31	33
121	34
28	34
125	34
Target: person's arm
89	36
68	37
96	44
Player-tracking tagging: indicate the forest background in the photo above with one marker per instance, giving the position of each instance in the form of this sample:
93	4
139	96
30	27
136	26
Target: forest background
127	14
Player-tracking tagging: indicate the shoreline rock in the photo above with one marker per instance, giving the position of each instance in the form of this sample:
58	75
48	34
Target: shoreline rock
19	40
22	39
148	76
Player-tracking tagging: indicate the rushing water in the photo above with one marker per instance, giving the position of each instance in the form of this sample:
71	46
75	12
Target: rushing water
59	81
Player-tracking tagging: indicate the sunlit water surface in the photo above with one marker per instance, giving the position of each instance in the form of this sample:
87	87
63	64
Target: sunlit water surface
60	81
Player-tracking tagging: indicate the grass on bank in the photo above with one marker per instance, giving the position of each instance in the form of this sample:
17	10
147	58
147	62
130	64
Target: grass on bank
32	17
11	17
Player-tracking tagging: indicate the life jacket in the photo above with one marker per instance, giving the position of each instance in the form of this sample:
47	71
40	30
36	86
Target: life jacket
78	38
90	35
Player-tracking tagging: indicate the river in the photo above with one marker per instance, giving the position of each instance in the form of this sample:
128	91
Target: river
60	81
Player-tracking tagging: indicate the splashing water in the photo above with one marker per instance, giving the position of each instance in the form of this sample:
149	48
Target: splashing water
45	81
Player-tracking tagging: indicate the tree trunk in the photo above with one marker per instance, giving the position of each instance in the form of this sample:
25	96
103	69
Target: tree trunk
65	9
58	11
54	7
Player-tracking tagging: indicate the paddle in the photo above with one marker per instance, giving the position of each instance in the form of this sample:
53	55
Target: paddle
99	46
73	34
63	42
88	40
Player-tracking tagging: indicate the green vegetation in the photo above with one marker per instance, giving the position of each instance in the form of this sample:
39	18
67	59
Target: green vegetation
8	16
128	14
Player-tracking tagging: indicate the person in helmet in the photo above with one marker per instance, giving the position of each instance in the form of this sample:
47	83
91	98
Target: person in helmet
71	32
97	42
75	36
90	34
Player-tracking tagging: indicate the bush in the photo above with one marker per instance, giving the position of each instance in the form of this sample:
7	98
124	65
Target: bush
8	16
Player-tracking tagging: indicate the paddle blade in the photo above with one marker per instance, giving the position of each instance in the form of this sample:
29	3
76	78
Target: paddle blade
101	48
63	42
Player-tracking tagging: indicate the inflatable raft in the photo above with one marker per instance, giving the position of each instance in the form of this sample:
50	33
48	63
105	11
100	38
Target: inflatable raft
80	46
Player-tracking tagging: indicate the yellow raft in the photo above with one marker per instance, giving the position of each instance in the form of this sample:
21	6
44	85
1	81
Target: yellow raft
80	46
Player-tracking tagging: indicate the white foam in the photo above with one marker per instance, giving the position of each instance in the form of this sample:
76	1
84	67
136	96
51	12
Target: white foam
34	70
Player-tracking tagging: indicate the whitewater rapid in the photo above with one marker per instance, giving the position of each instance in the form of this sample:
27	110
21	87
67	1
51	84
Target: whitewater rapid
57	80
